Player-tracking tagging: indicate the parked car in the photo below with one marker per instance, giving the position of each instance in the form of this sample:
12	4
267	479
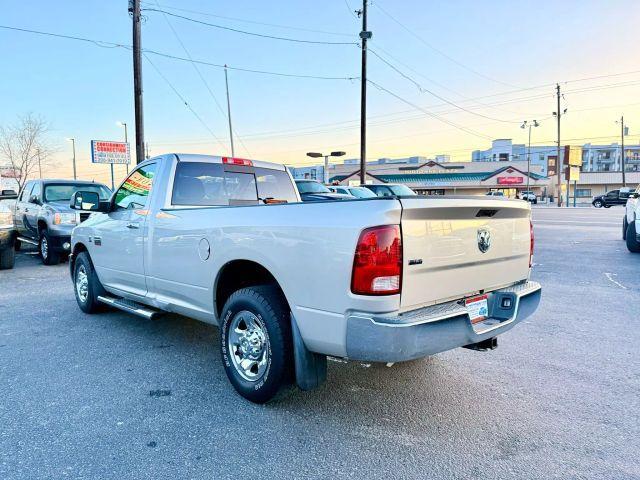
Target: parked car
43	217
312	191
495	193
7	236
390	189
290	283
631	221
529	196
614	197
358	192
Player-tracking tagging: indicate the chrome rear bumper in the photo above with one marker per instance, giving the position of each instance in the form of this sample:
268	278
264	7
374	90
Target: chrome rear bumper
434	329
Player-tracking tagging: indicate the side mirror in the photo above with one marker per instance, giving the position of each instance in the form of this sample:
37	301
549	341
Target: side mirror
34	199
89	201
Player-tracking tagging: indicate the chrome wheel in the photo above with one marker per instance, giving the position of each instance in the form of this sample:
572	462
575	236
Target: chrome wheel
248	345
82	283
44	247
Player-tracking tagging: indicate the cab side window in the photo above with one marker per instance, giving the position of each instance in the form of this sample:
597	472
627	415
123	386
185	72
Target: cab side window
36	192
134	192
26	192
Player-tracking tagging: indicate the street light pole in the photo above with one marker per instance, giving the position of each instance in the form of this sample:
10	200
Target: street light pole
326	162
73	146
526	124
624	180
126	138
226	82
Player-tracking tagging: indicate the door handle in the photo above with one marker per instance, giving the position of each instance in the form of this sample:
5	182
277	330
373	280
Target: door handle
133	225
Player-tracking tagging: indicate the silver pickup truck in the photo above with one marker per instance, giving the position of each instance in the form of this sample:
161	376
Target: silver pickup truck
227	241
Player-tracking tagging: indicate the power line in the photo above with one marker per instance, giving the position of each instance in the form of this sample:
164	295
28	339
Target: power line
423	89
242	20
105	44
183	100
427	44
204	81
431	114
245	32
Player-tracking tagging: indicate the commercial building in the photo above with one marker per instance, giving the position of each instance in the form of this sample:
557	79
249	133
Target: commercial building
430	177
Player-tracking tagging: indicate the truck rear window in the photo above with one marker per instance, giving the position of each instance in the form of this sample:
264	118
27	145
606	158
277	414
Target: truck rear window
208	184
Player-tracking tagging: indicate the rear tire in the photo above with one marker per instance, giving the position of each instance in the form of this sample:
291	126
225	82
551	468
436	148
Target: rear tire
7	258
632	244
86	285
49	257
607	206
255	342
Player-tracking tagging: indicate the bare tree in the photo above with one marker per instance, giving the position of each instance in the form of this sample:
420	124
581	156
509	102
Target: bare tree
25	146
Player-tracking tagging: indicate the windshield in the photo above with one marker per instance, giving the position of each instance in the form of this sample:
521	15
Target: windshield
312	187
401	190
361	192
62	192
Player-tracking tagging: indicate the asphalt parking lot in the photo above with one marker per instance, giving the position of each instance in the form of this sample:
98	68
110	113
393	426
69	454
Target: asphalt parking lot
114	396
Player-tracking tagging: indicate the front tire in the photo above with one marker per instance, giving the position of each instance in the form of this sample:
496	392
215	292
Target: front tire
632	244
598	204
625	225
49	257
255	342
7	258
86	285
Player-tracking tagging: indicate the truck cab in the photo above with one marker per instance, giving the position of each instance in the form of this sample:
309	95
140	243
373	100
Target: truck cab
43	217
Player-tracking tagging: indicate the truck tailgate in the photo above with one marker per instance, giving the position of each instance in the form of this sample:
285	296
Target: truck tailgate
456	247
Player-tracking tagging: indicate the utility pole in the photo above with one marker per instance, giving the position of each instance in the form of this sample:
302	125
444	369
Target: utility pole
558	160
134	10
624	180
364	36
226	82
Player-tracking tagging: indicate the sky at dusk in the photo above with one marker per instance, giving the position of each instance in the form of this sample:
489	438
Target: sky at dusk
447	78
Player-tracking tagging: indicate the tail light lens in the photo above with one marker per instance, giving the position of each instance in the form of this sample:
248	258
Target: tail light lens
531	244
377	265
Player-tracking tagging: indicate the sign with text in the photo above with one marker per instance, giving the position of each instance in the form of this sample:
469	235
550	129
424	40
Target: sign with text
104	151
574	155
572	173
510	180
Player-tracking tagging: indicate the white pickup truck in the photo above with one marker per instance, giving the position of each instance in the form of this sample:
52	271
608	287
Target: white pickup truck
227	241
631	221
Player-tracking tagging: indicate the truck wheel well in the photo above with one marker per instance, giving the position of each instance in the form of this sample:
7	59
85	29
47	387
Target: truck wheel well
77	250
42	225
240	274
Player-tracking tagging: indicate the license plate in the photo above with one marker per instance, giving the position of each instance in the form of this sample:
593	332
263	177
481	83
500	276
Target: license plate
477	308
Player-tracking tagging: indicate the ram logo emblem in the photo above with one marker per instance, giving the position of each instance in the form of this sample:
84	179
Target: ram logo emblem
484	240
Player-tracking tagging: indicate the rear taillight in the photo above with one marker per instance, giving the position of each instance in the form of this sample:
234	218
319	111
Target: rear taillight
377	266
237	161
531	244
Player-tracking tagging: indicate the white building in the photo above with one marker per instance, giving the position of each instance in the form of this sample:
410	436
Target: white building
504	150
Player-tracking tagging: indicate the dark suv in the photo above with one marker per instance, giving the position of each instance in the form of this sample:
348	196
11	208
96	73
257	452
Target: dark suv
614	197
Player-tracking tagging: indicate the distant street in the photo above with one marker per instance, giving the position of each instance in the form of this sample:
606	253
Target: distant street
114	396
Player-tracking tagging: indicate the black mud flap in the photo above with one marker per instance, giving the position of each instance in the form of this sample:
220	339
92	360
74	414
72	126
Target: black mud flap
311	368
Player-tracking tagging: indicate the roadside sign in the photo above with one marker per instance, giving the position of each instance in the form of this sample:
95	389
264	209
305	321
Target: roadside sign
104	151
510	180
572	173
573	155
